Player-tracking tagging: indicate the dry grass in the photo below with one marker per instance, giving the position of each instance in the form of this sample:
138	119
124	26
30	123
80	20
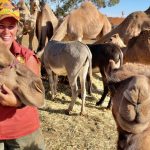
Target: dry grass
96	131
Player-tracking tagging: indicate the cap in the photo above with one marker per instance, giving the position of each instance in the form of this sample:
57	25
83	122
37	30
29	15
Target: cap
8	9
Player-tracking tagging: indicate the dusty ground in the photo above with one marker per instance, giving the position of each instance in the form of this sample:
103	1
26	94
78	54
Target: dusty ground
96	131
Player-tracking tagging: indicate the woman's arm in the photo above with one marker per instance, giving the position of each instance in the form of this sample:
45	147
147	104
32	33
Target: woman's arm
7	97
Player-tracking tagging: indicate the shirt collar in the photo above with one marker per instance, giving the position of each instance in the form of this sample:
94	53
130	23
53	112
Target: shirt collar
15	48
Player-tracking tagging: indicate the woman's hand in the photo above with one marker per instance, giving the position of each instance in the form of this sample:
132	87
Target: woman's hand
7	97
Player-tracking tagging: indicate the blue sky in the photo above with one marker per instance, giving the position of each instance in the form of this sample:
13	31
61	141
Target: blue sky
127	6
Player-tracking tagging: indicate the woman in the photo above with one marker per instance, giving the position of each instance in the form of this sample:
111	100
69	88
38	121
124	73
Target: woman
19	124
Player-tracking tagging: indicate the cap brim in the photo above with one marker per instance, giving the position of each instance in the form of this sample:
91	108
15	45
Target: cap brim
8	15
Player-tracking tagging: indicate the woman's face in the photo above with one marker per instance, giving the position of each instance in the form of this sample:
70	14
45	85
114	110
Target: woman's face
8	30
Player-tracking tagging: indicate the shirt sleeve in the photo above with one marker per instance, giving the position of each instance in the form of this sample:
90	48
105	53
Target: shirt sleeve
33	64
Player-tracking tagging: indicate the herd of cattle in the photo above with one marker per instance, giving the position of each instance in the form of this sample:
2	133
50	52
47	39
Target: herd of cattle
121	55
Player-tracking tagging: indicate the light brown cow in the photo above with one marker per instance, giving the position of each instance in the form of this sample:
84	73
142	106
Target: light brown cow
46	24
130	97
85	22
138	48
27	22
132	25
27	86
115	38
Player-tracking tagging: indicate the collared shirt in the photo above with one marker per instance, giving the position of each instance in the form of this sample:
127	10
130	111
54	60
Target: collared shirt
18	122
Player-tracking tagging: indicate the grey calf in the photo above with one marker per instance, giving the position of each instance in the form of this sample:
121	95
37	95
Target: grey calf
72	59
27	86
130	86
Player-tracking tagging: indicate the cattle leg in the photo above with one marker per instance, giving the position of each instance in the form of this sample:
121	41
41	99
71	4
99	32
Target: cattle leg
89	85
55	78
83	76
109	104
79	39
105	92
103	96
31	36
122	139
42	39
51	83
19	39
74	90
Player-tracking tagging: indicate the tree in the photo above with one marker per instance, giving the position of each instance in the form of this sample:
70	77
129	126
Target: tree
65	6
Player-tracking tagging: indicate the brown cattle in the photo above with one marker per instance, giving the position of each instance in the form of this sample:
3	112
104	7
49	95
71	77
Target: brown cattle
46	24
138	48
27	86
27	22
132	25
130	97
115	38
85	22
101	55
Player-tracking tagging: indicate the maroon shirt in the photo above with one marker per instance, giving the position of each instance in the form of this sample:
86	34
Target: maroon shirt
18	122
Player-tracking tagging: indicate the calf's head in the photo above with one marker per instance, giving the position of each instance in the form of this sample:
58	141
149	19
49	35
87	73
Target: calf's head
6	57
133	113
116	40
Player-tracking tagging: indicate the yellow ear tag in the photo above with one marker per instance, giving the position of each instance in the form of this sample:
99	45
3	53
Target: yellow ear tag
21	59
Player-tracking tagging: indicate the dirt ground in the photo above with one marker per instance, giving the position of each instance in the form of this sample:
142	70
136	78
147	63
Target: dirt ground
96	131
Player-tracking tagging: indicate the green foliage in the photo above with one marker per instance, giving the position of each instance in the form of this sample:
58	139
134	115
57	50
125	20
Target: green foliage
113	2
65	6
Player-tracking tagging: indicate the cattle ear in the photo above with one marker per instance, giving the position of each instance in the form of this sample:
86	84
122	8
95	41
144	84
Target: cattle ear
38	86
110	67
115	35
127	95
131	95
146	32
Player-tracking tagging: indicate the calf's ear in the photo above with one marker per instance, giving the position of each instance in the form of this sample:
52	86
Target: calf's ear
127	95
131	95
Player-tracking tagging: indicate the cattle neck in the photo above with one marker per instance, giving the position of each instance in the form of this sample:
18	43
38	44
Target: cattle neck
11	65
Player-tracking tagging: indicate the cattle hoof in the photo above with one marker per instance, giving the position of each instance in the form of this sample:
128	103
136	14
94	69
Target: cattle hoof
90	92
67	112
83	113
98	103
53	97
79	95
108	107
